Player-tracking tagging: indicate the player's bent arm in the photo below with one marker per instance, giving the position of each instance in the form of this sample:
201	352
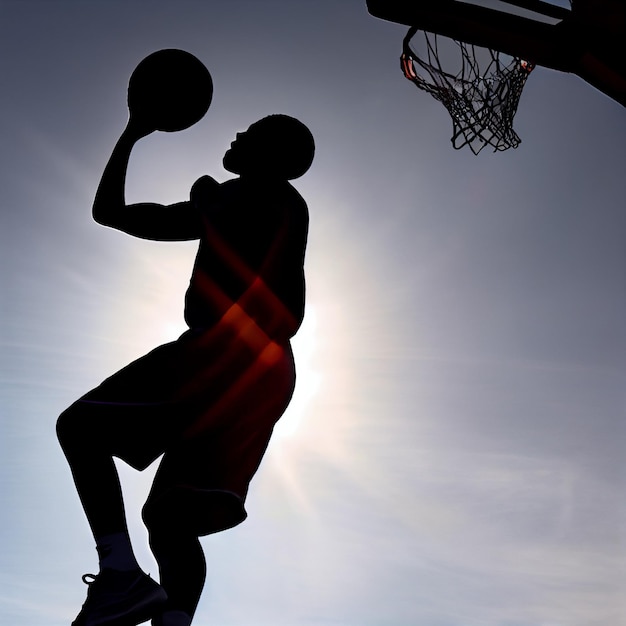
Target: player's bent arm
173	222
147	220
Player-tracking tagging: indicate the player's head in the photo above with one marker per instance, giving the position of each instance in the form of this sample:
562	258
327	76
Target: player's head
278	147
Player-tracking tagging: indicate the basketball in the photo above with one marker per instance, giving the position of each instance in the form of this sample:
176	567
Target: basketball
169	90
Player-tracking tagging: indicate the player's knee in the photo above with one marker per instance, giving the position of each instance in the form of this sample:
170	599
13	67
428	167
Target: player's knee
65	428
167	515
159	523
189	513
72	427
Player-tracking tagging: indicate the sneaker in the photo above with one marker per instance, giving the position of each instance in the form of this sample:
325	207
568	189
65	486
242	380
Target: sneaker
120	599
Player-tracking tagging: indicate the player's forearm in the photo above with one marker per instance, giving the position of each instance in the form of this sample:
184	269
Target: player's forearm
110	198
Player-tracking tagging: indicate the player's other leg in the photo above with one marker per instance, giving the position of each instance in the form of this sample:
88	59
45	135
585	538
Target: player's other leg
174	542
176	514
175	519
182	572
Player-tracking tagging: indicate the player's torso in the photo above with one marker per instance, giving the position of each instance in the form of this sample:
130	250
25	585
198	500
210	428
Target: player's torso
250	231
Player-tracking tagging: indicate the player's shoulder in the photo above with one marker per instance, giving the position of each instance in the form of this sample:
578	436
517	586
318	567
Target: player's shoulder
264	192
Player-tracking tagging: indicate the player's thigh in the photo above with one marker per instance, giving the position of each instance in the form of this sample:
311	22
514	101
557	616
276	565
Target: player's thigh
131	414
137	434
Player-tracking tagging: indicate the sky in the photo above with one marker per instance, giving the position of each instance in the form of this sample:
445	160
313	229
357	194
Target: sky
454	452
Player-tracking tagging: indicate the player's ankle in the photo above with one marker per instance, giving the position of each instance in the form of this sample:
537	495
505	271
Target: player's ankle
115	552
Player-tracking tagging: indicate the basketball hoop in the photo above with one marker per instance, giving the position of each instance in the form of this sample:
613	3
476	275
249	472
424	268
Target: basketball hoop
475	56
480	87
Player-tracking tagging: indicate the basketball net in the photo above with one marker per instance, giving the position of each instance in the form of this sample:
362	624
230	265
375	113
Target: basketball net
480	88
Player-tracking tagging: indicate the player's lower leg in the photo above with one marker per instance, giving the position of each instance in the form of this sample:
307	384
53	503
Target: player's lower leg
182	572
98	485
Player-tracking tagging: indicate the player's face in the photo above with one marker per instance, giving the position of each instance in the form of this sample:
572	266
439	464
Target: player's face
240	150
232	158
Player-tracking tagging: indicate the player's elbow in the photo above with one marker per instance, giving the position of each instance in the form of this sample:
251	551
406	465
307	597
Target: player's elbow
104	213
107	206
103	220
99	218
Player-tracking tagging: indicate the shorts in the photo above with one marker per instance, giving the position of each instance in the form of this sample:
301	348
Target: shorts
208	402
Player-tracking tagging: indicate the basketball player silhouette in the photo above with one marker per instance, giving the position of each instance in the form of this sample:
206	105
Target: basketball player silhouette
208	401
